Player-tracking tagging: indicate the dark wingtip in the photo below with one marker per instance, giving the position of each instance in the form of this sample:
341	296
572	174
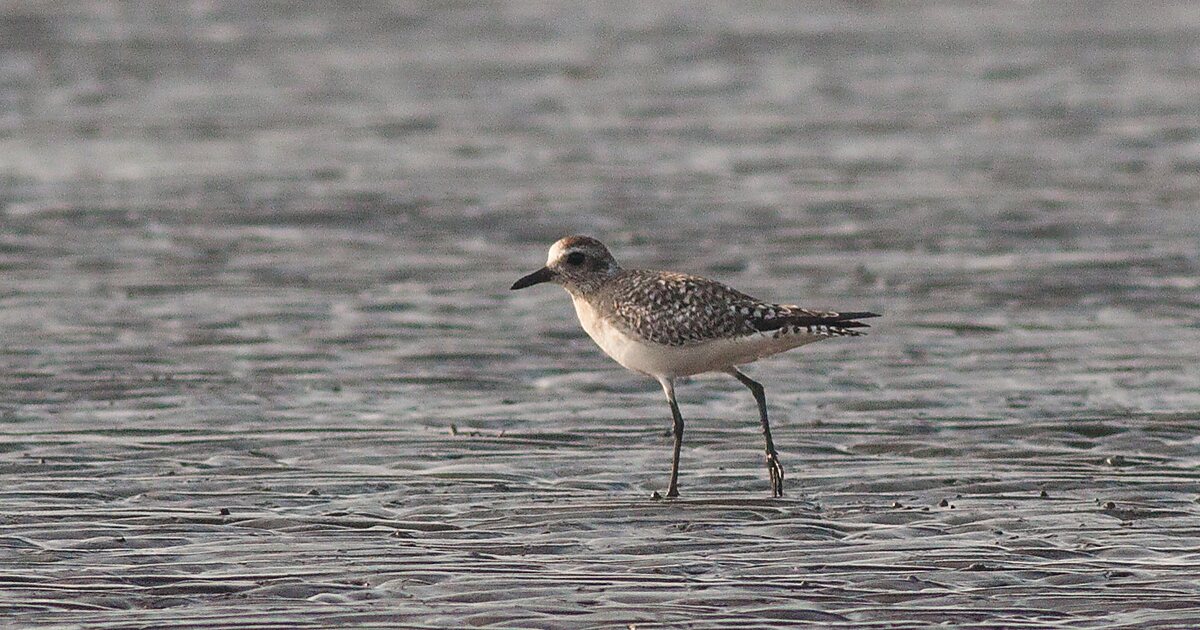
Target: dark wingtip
860	315
840	321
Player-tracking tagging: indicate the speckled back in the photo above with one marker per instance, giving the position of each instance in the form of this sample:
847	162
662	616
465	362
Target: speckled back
677	309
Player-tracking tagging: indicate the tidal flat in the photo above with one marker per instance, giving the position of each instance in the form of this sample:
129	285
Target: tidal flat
261	366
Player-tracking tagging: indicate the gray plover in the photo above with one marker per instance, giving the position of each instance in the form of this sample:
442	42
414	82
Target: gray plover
668	325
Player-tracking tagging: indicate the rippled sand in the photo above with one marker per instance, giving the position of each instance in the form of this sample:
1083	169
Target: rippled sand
261	366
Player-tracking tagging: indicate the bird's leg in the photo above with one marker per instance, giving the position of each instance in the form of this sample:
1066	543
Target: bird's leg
668	386
774	468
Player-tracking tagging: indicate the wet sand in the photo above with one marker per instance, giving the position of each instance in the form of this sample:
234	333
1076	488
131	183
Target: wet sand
261	367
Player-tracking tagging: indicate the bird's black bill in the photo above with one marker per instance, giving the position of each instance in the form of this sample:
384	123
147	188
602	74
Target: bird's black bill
541	275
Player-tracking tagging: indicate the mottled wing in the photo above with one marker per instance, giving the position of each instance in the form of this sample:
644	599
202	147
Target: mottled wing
676	309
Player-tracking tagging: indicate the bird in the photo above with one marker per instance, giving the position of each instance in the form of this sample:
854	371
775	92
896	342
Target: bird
669	325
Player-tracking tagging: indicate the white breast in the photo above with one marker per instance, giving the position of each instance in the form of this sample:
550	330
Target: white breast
659	360
624	349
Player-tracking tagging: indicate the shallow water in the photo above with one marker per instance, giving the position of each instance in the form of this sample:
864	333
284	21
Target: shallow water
261	366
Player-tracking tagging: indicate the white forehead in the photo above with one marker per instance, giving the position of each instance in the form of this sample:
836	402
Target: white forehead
558	250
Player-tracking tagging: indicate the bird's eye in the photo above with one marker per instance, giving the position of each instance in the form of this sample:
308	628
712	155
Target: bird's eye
575	258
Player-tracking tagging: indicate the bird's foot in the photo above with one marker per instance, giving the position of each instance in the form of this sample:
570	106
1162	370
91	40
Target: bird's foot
672	493
775	469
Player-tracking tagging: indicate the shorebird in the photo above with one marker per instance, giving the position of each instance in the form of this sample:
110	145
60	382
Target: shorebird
668	325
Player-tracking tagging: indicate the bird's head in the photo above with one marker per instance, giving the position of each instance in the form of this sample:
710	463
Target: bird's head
577	263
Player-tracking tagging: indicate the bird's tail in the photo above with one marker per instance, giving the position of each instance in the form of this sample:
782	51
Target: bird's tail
819	322
841	324
848	320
